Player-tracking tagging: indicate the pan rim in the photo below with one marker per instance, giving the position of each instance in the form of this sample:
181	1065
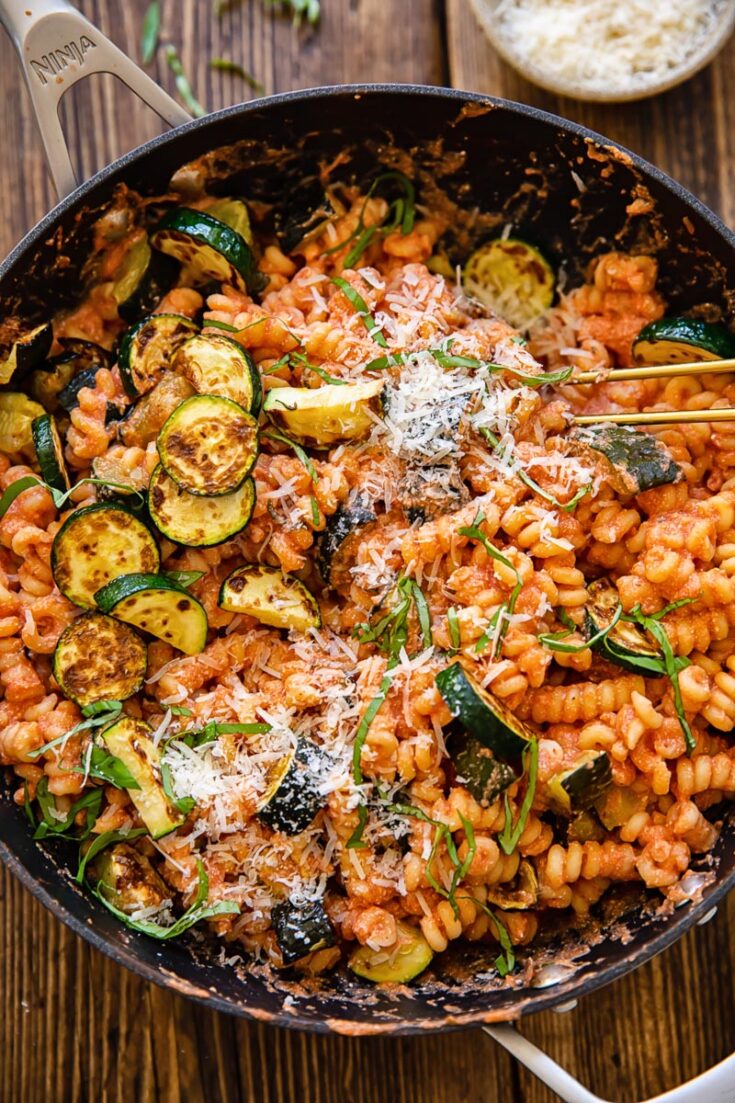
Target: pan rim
669	930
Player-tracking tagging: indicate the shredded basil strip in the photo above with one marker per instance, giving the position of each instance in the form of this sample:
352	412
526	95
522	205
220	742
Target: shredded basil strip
183	578
150	32
473	532
304	361
526	479
356	299
672	664
199	737
104	766
511	833
355	841
315	515
369	715
98	720
199	910
213	323
299	452
182	804
101	842
179	710
422	612
225	65
401	213
392	360
554	640
183	87
454	632
15	489
90	803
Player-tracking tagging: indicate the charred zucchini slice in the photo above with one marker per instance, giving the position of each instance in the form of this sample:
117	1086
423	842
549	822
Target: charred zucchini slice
208	248
234	213
477	768
196	521
148	348
627	645
27	352
482	714
411	955
215	364
159	606
511	278
98	543
98	659
127	879
50	452
270	596
78	360
637	461
209	445
292	799
130	741
580	787
521	895
680	340
17	414
143	279
322	416
336	545
301	929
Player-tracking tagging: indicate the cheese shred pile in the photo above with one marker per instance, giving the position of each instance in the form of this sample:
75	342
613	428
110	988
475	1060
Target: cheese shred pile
607	47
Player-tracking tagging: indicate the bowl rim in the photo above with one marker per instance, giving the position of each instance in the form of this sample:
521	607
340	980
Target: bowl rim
711	47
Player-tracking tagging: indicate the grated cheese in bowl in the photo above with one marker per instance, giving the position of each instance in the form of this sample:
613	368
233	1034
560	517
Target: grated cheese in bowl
595	49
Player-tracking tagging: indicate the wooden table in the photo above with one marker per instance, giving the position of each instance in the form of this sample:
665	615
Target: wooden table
74	1026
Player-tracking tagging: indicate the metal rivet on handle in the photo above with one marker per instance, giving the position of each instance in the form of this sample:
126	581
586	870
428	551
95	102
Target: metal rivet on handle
706	918
562	1008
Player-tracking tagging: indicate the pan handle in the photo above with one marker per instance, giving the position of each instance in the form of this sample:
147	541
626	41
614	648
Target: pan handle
716	1085
56	47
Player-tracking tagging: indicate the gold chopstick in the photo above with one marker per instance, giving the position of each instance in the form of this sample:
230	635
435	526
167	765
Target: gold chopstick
658	417
655	371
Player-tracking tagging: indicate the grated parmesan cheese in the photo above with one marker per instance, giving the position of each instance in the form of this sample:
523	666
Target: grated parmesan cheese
609	49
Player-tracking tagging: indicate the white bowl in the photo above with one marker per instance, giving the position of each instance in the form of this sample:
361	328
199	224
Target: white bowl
563	86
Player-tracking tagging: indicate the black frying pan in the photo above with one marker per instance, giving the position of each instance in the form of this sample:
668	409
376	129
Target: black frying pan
559	184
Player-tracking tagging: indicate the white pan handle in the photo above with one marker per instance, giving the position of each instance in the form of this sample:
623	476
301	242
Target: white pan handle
57	47
717	1085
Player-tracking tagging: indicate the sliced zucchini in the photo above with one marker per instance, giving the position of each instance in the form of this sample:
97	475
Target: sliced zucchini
580	787
209	445
477	768
482	714
130	741
127	879
159	606
292	798
322	416
680	340
208	248
98	543
27	352
627	645
142	280
521	895
301	929
144	420
78	359
411	955
270	596
17	414
193	520
148	348
636	460
215	364
50	452
336	546
98	659
511	278
234	214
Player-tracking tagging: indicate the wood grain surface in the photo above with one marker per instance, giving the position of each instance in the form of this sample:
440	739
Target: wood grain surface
75	1028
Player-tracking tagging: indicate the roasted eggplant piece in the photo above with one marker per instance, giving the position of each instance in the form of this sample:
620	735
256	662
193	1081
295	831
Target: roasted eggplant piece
301	929
144	421
26	353
336	546
477	768
581	786
292	799
635	461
